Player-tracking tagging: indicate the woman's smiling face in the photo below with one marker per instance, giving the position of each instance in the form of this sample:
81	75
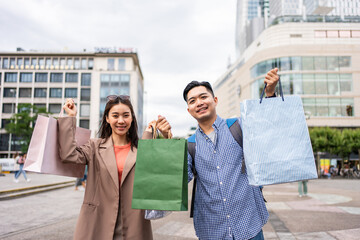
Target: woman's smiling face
120	119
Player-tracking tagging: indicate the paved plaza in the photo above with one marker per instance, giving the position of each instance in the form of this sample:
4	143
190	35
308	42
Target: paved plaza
330	211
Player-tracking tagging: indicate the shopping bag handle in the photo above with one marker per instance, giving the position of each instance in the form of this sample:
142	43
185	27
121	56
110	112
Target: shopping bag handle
154	131
281	91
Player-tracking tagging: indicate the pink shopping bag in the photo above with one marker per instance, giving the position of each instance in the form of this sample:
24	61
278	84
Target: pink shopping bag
43	154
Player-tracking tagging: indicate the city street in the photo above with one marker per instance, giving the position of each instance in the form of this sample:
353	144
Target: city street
330	211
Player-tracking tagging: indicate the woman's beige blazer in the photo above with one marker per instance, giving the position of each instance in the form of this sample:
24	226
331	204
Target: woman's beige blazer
98	214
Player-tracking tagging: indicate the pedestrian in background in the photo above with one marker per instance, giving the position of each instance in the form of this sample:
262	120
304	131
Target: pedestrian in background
21	162
81	181
302	188
16	165
106	212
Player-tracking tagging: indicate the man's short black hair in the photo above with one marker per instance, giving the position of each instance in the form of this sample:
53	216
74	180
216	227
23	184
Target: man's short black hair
197	84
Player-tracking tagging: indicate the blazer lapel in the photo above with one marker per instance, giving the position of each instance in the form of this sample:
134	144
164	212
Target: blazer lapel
106	151
129	164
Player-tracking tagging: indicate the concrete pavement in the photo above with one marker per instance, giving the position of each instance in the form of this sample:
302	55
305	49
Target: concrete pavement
7	182
330	211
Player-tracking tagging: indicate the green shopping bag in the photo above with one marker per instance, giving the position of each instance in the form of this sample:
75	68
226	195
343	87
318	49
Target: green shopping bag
161	175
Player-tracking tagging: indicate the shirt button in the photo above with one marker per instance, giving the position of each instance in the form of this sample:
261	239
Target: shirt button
224	199
214	151
218	167
220	183
207	138
228	216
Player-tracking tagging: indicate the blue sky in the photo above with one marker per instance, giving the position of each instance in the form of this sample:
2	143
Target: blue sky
177	41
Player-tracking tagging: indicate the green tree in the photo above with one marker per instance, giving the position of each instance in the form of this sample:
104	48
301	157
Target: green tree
22	123
321	141
343	144
356	141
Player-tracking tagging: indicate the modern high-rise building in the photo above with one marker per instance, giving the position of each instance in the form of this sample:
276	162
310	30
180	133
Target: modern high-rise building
46	79
285	7
319	61
251	18
333	7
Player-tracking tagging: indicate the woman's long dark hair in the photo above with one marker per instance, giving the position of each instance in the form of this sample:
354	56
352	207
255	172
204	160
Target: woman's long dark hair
105	130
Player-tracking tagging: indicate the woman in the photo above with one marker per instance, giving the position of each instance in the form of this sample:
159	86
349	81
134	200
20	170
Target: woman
106	212
21	162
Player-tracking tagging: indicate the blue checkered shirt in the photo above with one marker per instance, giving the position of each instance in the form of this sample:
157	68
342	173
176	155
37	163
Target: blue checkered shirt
226	206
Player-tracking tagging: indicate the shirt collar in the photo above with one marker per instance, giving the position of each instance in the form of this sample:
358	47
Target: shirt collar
215	125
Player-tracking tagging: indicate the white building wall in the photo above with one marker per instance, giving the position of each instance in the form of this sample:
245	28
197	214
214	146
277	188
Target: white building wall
292	39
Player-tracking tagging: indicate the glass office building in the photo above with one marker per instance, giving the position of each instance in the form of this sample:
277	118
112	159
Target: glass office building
47	79
317	60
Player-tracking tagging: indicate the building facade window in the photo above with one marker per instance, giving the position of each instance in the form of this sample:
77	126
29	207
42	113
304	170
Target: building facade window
62	63
12	63
85	94
86	79
55	92
77	63
355	33
83	63
40	106
85	124
27	63
69	63
121	64
41	77
111	64
346	82
33	62
332	63
5	63
48	63
71	92
344	62
5	122
71	77
56	77
20	63
304	63
308	63
54	108
4	142
40	92
8	108
310	84
42	63
320	63
91	63
25	92
10	92
56	63
10	77
84	110
321	85
113	84
25	77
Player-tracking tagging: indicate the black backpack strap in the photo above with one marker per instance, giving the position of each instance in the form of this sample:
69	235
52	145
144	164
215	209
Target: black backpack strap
236	132
192	151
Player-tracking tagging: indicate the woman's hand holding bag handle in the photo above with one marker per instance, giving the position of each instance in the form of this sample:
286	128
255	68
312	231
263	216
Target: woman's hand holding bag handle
164	128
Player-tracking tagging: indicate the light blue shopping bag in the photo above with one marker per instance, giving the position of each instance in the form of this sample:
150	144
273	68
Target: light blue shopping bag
277	146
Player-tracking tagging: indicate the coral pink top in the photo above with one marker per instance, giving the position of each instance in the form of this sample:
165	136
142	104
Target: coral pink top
121	153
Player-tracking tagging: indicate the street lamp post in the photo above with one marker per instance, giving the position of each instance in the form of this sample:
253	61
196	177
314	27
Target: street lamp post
10	135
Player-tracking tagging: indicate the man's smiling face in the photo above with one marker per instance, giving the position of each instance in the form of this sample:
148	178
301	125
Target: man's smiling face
201	104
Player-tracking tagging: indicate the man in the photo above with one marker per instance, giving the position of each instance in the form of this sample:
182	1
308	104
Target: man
226	206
